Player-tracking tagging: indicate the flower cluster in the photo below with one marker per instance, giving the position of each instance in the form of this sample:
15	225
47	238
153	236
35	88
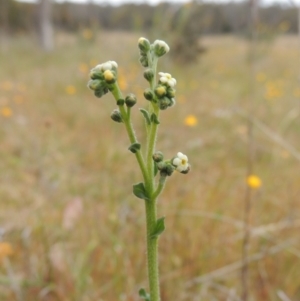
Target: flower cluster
181	163
102	77
167	167
165	91
157	49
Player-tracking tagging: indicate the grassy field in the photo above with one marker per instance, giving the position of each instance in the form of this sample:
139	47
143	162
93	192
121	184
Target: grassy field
71	228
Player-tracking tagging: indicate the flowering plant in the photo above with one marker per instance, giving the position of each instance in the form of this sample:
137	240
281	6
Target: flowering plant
161	95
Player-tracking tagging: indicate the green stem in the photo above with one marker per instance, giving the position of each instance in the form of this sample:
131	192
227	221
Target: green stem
160	187
152	250
128	125
150	206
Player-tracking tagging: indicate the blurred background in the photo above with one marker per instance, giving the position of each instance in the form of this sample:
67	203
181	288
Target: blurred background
70	227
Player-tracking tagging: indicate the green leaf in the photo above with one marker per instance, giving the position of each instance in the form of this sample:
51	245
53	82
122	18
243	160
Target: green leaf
139	191
159	227
146	115
134	147
154	118
144	295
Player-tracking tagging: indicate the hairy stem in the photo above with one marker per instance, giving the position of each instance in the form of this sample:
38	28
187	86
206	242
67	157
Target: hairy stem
152	250
131	134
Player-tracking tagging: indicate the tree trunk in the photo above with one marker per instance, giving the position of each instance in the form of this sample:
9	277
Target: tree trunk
4	23
45	22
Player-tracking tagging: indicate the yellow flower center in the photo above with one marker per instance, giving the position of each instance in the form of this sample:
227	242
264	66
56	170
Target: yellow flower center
108	75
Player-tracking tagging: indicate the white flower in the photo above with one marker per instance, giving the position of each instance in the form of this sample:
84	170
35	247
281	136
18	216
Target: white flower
166	78
181	162
107	66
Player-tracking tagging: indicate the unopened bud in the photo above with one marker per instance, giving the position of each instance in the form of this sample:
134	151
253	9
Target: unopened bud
167	170
96	73
171	92
164	103
101	91
160	48
120	102
148	74
144	61
94	84
109	76
148	94
158	156
144	45
172	102
116	116
160	91
130	100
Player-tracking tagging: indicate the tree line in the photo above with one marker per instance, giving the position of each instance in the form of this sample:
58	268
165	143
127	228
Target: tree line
195	17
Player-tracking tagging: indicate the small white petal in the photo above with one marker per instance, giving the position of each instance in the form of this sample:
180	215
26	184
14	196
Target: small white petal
106	66
98	67
163	80
176	162
179	154
180	168
114	64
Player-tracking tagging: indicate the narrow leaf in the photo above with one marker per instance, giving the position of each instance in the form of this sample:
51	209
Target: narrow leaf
140	191
154	118
146	116
159	227
134	147
144	295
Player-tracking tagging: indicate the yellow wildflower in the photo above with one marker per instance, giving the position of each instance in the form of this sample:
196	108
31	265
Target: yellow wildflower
71	90
5	250
254	181
190	120
6	111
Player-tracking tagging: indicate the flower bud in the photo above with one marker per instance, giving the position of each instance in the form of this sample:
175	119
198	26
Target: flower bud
172	102
96	73
116	116
94	84
161	165
160	91
167	170
130	100
164	103
148	94
171	92
100	91
148	74
120	102
158	156
144	45
160	48
109	76
144	61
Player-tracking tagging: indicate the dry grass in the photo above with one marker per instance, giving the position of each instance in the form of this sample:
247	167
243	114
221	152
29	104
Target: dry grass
67	210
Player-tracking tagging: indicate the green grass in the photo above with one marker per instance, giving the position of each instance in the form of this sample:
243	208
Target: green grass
56	148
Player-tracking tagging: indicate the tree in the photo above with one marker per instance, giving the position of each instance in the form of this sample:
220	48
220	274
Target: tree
45	24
